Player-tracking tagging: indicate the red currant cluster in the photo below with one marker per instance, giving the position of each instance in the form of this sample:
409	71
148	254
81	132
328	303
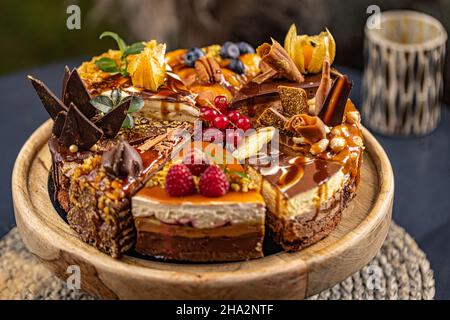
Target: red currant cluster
220	119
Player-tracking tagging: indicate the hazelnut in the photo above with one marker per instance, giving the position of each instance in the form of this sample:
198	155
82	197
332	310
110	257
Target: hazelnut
235	187
319	147
336	131
73	148
299	140
337	144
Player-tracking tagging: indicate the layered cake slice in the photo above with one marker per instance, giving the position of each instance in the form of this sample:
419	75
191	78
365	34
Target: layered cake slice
306	190
198	228
211	224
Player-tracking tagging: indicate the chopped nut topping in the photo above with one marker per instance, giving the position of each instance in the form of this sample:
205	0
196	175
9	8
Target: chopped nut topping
319	147
337	144
358	141
352	117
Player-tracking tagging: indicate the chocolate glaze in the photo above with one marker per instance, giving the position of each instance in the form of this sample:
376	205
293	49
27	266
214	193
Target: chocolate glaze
252	90
297	174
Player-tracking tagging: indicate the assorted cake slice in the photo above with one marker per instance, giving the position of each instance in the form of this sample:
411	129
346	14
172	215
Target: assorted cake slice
189	155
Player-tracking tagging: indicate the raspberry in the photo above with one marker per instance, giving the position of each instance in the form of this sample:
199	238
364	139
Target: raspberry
195	163
213	182
179	181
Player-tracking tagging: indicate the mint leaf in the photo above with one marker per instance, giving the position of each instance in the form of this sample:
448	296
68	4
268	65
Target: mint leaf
102	103
128	123
134	48
107	65
136	104
116	97
122	45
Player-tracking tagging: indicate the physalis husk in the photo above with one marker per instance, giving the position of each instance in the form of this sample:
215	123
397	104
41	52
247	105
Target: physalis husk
148	68
308	52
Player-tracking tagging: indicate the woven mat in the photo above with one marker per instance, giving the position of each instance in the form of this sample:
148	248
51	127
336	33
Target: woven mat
399	271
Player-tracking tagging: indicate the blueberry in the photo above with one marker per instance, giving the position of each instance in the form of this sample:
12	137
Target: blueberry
244	48
192	55
236	66
229	50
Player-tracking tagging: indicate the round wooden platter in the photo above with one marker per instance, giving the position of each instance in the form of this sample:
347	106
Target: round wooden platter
283	275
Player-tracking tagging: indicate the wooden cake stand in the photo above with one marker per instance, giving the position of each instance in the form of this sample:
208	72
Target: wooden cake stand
283	275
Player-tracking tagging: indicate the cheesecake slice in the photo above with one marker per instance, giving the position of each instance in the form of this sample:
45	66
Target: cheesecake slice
305	194
197	228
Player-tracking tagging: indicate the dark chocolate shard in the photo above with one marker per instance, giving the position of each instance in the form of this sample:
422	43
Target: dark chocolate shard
64	82
75	92
59	123
333	109
79	130
51	103
122	160
111	122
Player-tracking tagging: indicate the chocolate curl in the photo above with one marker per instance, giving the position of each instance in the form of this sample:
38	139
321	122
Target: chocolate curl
51	103
333	109
75	92
309	127
122	160
276	61
325	83
111	122
79	130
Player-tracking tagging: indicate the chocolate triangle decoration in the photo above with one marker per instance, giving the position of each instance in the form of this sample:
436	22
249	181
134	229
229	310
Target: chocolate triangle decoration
51	103
64	82
75	92
111	122
59	123
79	130
332	113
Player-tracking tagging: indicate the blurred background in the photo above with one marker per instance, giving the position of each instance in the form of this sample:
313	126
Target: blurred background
35	40
32	33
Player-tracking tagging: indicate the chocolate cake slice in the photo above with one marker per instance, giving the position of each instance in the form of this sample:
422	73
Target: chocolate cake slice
197	228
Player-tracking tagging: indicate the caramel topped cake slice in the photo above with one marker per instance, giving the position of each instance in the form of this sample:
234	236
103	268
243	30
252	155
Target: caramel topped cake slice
211	224
198	228
313	181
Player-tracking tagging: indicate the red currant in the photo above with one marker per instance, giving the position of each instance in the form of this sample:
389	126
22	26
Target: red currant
203	109
221	122
234	116
243	123
209	114
221	103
